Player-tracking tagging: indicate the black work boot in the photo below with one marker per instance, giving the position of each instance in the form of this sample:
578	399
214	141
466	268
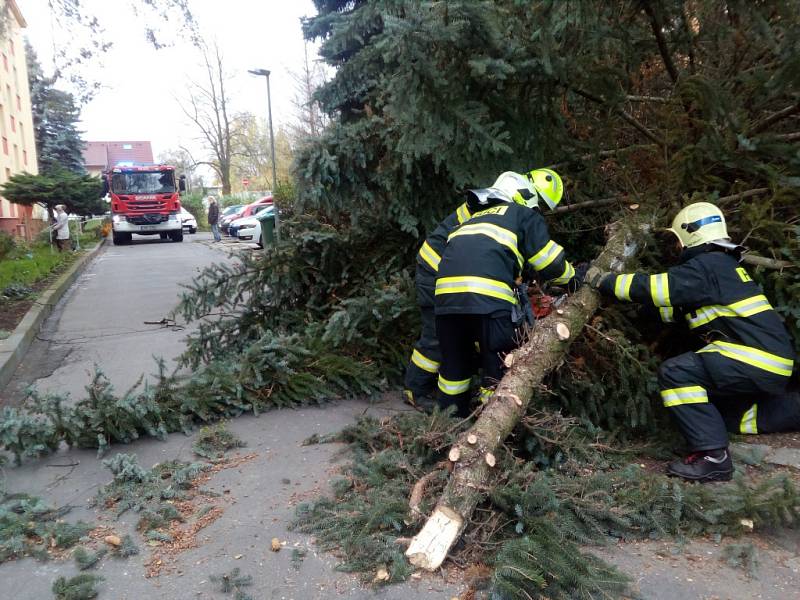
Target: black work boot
705	466
422	403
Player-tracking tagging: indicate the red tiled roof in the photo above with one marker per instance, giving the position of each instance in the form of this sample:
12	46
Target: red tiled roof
95	155
108	154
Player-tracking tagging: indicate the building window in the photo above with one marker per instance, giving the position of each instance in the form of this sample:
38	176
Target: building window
13	124
8	94
5	146
16	157
5	61
19	103
25	157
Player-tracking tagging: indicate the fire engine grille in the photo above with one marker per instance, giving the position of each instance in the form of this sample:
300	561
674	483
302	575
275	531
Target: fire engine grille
147	219
146	205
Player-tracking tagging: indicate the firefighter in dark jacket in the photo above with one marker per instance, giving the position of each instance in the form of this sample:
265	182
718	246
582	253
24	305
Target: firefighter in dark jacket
739	379
476	280
423	368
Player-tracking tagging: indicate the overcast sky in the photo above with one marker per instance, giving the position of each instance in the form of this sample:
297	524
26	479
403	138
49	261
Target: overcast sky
141	83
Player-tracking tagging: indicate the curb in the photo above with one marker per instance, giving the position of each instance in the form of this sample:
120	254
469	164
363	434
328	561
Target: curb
14	347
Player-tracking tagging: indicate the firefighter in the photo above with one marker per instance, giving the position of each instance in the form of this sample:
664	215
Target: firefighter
477	274
423	368
739	379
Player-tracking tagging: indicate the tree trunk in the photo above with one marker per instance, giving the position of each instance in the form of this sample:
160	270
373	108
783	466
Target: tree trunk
473	454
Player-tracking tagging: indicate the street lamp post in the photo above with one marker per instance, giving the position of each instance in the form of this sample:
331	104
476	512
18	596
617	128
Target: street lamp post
265	73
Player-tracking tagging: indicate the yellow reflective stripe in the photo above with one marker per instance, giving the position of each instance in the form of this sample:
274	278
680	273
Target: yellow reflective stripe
453	388
622	286
430	256
667	314
546	255
743	308
498	234
749	424
423	362
485	395
692	394
753	357
462	213
659	289
474	285
569	273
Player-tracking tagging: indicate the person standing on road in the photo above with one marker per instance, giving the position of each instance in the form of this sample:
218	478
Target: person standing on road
61	228
213	217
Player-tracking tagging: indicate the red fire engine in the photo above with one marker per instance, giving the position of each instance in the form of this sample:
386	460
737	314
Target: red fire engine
144	200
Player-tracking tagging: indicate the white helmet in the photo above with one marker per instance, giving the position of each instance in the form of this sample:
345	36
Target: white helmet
699	223
518	188
481	196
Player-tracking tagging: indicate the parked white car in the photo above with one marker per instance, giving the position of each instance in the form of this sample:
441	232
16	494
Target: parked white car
249	230
188	221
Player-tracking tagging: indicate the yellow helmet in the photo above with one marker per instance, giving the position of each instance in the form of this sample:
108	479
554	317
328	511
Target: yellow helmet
518	187
699	223
549	186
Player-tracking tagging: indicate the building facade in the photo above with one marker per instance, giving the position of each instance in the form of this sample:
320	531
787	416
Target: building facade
18	150
101	156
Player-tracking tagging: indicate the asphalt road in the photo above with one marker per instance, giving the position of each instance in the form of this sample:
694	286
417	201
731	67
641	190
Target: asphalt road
101	321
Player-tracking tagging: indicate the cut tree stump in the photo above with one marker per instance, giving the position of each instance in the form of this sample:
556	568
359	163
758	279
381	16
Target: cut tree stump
472	468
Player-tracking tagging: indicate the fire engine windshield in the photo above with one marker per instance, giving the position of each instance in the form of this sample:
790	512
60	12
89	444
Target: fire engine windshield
157	182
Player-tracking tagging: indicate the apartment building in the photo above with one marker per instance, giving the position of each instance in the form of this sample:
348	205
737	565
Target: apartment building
17	149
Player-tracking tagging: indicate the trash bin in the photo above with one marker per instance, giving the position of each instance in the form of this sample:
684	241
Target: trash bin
267	220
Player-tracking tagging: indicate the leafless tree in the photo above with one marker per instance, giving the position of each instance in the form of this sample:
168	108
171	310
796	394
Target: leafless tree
310	120
209	110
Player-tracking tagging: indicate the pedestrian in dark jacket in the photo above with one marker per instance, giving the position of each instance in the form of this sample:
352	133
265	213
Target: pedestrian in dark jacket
213	217
738	380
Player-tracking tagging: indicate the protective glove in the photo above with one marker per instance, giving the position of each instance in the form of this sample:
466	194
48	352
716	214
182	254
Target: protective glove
579	277
594	276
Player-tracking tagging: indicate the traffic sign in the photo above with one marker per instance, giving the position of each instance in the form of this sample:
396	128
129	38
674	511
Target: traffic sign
245	182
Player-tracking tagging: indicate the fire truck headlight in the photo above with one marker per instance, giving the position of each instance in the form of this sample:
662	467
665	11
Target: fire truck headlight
119	219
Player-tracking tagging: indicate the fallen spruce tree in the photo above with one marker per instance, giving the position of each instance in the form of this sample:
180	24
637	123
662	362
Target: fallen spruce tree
655	104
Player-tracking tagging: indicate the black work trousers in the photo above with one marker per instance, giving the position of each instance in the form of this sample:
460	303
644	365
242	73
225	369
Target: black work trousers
422	369
460	337
709	394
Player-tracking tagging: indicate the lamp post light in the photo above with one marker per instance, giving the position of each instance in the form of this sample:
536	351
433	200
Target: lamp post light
265	73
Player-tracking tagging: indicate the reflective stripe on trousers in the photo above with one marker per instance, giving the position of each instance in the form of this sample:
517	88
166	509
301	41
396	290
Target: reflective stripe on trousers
748	424
453	388
692	394
753	357
423	362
